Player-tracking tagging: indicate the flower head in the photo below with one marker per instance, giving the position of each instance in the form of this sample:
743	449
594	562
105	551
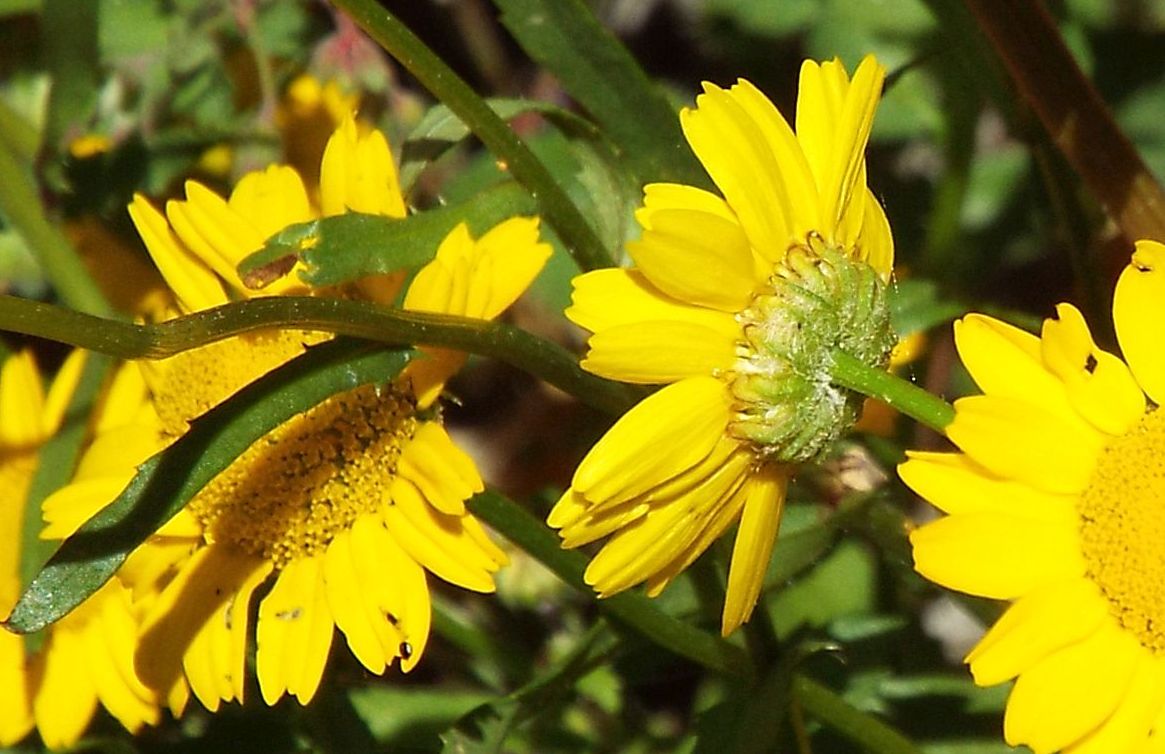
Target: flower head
87	657
1054	503
345	508
734	304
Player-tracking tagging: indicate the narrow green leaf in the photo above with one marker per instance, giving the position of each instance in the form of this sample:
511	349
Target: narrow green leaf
353	245
564	37
169	479
867	731
917	306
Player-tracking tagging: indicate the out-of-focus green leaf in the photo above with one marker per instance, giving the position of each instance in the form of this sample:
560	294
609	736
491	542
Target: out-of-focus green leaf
18	265
440	129
412	717
169	479
353	245
599	73
917	305
19	7
131	27
69	34
764	16
843	583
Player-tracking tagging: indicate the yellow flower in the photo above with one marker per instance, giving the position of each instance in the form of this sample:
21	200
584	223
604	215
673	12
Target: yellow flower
1055	503
87	657
343	508
713	310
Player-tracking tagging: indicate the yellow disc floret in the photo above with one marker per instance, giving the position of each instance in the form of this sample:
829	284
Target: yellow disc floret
1123	526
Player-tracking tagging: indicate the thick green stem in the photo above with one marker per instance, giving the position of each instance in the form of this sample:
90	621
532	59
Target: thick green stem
22	208
867	731
907	397
1025	36
498	137
361	319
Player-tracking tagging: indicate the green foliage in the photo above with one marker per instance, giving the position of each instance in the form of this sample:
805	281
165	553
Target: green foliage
106	98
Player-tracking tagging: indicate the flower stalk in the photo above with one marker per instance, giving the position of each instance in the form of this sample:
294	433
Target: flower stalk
850	372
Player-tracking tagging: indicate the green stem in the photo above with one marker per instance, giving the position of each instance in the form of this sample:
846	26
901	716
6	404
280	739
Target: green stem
907	397
361	319
22	208
865	730
573	228
1025	36
20	135
628	609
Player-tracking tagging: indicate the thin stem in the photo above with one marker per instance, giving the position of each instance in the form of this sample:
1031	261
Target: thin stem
1027	39
907	397
22	207
870	733
495	133
361	319
21	136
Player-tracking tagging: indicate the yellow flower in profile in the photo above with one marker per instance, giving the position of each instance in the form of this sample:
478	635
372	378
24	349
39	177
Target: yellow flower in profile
345	508
733	304
87	657
1055	503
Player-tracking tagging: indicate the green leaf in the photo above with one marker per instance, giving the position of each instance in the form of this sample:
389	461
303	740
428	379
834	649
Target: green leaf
169	479
917	305
353	245
69	34
412	717
440	129
564	37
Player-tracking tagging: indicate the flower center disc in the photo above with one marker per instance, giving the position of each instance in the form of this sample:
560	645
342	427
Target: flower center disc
293	490
1123	527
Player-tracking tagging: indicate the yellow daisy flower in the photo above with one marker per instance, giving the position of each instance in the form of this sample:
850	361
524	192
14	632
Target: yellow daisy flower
1054	503
714	309
344	508
87	657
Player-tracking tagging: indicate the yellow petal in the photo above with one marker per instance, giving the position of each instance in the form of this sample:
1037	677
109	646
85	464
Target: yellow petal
1100	387
994	555
347	605
72	505
698	257
131	709
1133	719
436	540
609	298
60	392
357	174
192	281
1018	440
21	402
754	544
876	242
1039	623
653	353
200	592
65	700
734	150
294	632
1006	362
443	472
214	232
1071	692
955	484
271	199
672	196
1137	312
663	436
393	589
15	710
834	117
